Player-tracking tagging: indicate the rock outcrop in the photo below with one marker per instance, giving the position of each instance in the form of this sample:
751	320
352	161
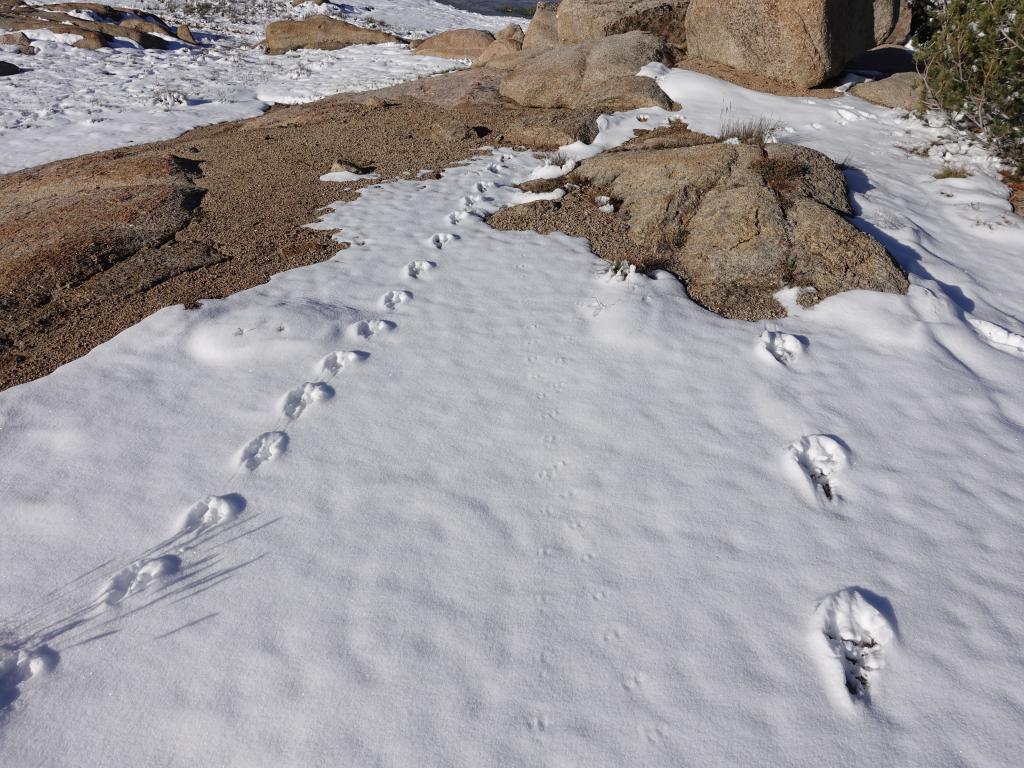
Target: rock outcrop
20	41
507	42
542	31
736	223
118	208
103	25
456	44
512	32
601	73
321	32
902	90
901	30
583	20
802	42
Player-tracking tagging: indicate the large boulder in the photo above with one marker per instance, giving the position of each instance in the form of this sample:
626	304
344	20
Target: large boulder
499	50
542	31
736	223
91	40
456	44
602	73
801	42
321	32
903	90
901	30
20	41
887	14
512	32
583	20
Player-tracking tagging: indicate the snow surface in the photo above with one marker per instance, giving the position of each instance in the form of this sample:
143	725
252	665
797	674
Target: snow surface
468	497
71	101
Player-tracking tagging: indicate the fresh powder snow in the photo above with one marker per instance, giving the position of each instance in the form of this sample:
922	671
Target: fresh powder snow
467	497
461	496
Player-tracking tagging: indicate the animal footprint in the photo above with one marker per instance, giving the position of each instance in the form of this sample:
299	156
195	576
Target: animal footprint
998	337
441	239
335	362
393	299
138	576
820	457
784	347
415	269
19	665
367	329
549	472
210	512
266	447
455	217
296	401
856	633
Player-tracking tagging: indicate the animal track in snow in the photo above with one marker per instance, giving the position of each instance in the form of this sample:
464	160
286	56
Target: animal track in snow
415	269
441	239
784	347
998	337
266	447
367	329
19	665
455	217
336	362
211	511
856	633
296	401
138	576
820	457
549	472
392	300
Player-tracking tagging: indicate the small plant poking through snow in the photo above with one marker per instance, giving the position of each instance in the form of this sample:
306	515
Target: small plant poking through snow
952	172
757	131
170	99
619	270
554	167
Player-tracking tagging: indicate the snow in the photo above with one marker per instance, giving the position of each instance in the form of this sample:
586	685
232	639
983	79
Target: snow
340	176
71	101
468	497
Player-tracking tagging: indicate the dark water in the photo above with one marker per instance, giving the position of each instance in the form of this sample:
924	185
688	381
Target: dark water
494	7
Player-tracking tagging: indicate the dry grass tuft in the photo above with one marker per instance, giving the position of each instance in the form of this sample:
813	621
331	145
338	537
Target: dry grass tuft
952	172
756	130
782	175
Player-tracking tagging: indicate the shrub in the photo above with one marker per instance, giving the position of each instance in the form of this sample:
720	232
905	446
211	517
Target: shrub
973	60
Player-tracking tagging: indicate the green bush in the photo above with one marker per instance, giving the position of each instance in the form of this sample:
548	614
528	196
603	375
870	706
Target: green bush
972	52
